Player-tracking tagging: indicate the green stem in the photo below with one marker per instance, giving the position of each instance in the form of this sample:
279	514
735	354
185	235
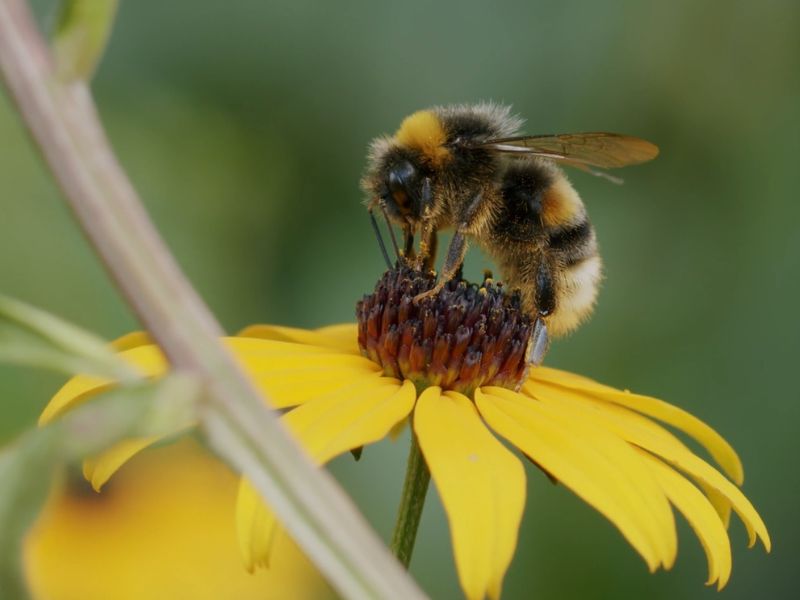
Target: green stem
63	121
412	502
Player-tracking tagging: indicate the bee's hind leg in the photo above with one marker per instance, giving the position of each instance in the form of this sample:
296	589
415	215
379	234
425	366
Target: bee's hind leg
539	343
545	297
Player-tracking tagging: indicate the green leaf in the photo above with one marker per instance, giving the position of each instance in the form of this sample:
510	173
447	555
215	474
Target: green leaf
27	467
33	337
81	34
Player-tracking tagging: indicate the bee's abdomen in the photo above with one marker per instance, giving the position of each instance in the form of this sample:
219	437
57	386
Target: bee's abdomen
573	249
545	245
572	243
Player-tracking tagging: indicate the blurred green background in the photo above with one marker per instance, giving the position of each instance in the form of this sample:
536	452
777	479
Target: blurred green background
244	126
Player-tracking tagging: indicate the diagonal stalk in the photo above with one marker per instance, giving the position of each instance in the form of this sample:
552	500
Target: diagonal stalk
63	121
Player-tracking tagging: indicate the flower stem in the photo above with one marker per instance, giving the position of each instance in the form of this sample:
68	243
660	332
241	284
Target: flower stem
412	501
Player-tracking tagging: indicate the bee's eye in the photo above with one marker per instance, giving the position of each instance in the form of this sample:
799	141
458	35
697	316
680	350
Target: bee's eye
402	181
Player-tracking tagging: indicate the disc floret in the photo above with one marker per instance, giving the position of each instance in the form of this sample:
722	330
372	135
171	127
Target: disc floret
468	335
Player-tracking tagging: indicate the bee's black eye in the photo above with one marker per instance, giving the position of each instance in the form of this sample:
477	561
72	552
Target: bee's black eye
402	182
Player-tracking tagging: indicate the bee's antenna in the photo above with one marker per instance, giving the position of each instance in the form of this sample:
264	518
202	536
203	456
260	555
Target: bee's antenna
391	233
379	237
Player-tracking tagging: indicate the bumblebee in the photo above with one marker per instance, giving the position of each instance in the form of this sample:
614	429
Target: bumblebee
467	168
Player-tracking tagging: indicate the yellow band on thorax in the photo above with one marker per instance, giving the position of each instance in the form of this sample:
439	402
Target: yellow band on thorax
423	131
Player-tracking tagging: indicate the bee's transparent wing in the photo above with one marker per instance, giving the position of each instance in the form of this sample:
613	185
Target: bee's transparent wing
582	150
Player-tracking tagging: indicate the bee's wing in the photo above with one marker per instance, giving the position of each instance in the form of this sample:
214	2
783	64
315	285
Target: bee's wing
582	150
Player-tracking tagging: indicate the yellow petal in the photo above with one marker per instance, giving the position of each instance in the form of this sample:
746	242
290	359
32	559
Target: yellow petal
325	337
132	340
325	427
701	516
646	434
481	484
253	349
255	526
585	462
624	421
398	429
99	469
290	387
716	445
632	473
720	504
709	476
288	392
341	421
279	361
288	373
289	380
72	394
345	335
148	360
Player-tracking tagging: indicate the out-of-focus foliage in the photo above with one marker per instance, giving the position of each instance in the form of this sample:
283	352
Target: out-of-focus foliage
244	126
35	338
81	34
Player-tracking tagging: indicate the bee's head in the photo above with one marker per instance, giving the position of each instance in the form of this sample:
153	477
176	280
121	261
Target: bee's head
404	194
399	181
402	167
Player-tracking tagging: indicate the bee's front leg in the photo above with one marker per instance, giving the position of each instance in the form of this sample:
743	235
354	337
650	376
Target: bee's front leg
428	239
430	260
408	244
427	246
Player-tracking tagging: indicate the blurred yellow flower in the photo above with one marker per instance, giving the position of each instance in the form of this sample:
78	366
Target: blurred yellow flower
163	529
605	445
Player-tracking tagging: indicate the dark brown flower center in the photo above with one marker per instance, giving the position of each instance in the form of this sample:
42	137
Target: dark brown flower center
466	336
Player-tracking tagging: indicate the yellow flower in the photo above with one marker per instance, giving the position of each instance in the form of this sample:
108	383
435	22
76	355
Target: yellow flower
161	529
609	447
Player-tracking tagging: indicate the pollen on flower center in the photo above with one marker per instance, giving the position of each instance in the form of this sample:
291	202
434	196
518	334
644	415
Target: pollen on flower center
466	336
